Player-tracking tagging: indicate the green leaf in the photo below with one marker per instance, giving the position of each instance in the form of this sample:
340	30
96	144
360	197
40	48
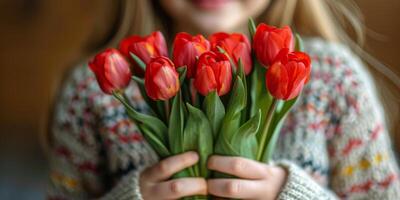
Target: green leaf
198	137
214	110
231	121
183	174
176	125
160	105
150	102
242	75
154	141
153	124
299	45
252	28
243	143
237	103
224	147
275	127
287	105
138	61
237	99
259	95
274	133
244	140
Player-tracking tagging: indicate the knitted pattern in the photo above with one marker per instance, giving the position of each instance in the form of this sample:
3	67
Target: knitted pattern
334	142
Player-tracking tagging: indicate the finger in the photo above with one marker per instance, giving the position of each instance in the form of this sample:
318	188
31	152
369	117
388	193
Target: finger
169	166
235	188
237	166
182	187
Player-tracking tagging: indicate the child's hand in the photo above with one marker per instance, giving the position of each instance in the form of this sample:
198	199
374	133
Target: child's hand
154	182
258	180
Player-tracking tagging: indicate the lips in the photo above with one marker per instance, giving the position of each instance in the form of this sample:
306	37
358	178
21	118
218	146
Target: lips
210	4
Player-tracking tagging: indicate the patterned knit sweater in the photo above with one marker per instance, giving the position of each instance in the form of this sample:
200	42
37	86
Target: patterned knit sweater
334	142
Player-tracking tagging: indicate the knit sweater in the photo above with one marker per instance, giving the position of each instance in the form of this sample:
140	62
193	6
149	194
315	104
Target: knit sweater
334	143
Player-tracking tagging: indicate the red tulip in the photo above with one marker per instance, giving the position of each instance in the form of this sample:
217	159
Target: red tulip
237	46
112	70
214	72
185	50
286	77
145	48
269	41
161	79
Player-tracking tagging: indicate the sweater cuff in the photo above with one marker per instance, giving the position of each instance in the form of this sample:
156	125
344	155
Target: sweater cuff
127	189
300	186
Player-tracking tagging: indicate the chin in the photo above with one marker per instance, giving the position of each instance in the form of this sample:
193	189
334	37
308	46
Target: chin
210	24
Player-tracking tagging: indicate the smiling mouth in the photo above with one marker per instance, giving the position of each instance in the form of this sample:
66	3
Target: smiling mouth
210	4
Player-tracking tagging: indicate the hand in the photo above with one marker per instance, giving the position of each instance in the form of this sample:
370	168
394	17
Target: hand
155	183
258	181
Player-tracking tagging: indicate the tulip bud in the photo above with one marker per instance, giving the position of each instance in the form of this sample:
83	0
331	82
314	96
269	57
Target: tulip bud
112	70
214	72
185	50
286	77
269	41
237	46
145	48
161	79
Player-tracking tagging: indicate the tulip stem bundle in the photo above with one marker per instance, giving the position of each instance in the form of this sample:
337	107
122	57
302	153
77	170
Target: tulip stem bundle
221	96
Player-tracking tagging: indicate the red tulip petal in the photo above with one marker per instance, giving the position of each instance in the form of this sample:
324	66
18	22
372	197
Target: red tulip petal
167	81
116	70
276	44
161	79
296	77
287	33
103	83
160	44
244	53
126	43
204	81
277	80
295	91
269	40
216	38
185	50
223	74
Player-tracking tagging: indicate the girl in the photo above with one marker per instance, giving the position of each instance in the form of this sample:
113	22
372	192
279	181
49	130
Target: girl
334	143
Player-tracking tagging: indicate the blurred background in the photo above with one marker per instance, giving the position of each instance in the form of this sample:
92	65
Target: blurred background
40	39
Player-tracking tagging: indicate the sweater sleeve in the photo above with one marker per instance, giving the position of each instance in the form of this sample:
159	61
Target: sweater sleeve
78	163
300	186
362	164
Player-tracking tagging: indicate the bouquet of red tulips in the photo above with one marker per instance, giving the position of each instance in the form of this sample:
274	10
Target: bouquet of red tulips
226	95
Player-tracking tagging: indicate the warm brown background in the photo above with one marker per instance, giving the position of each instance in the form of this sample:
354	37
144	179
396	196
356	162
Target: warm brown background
40	38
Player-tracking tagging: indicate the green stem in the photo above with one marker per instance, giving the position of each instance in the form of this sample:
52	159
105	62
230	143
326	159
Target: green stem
126	99
264	132
120	96
167	109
